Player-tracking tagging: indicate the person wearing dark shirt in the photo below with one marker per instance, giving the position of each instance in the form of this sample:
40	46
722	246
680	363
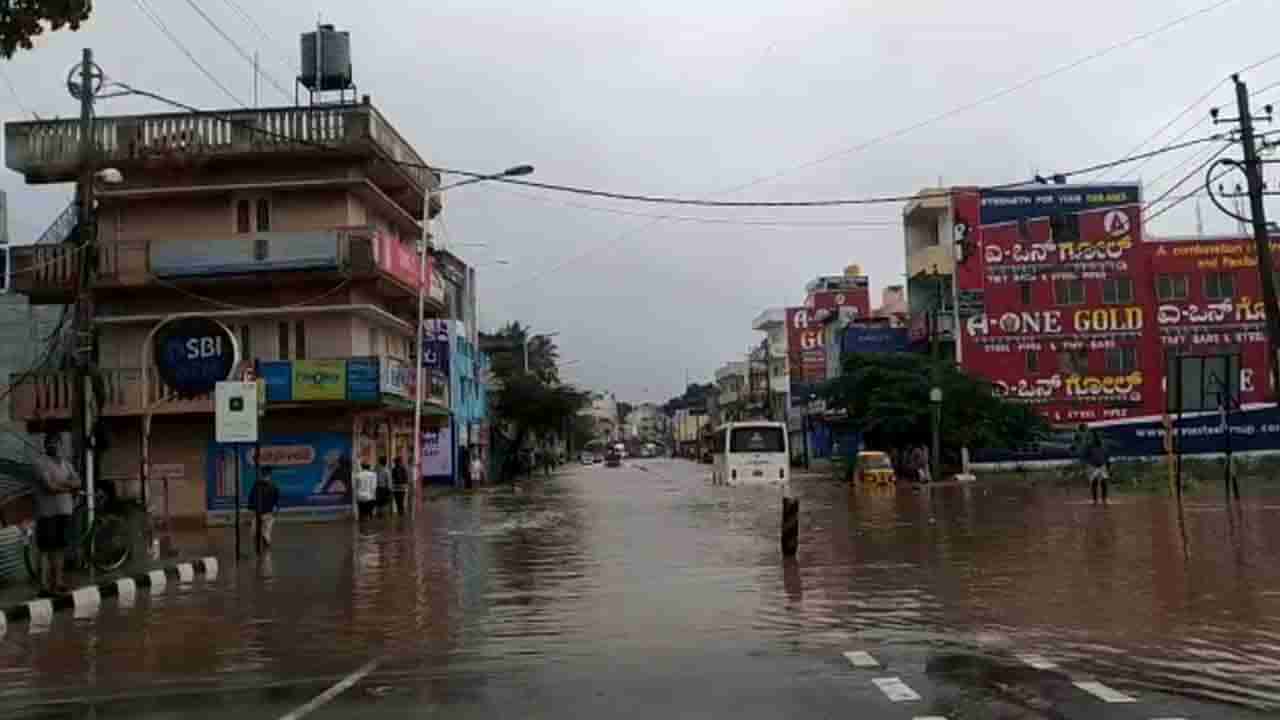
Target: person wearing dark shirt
264	500
400	485
1097	462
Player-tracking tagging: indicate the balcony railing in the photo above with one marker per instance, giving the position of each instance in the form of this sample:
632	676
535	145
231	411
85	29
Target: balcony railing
47	273
48	151
48	396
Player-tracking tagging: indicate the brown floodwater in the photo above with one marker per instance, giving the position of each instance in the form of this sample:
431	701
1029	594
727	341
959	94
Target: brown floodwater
649	560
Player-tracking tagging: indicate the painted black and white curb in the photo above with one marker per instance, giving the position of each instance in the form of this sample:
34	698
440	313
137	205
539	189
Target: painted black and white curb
85	601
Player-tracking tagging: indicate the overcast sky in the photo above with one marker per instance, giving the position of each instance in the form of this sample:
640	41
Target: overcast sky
696	98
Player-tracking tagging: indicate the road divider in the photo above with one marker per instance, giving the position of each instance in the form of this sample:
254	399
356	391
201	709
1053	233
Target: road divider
85	601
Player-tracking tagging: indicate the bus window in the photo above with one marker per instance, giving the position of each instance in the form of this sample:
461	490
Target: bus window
757	439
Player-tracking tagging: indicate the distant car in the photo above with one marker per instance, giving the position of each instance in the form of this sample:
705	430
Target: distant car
586	458
873	468
613	459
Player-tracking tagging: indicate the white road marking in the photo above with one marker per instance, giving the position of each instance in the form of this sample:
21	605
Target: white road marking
186	573
126	591
929	717
861	658
1038	662
4	623
1103	692
895	689
333	692
39	615
211	568
158	581
85	601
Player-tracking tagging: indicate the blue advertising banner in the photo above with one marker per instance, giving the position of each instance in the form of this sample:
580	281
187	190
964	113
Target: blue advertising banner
1041	201
437	336
874	340
278	376
312	470
362	379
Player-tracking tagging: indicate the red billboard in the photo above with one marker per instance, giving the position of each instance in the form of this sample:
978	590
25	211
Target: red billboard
844	291
806	356
1064	308
1208	300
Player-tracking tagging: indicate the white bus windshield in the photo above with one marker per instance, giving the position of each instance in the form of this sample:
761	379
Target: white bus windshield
757	439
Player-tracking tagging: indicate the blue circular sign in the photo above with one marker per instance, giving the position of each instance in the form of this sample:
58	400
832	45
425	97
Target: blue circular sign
192	355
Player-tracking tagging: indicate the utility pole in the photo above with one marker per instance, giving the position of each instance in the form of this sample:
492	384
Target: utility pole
1252	167
82	324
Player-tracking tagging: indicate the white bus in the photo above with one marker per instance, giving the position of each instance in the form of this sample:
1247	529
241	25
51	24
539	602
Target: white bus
750	453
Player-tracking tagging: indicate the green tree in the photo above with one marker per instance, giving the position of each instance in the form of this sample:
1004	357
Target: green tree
536	409
624	409
506	352
887	397
22	20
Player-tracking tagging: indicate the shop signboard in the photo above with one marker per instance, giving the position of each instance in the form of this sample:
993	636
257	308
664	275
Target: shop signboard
319	380
362	379
437	335
437	452
873	340
194	354
396	378
312	470
278	376
806	353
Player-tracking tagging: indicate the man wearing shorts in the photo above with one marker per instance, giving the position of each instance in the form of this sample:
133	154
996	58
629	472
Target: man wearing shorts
57	481
1096	462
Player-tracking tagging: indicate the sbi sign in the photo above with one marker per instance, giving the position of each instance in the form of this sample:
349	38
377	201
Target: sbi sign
193	354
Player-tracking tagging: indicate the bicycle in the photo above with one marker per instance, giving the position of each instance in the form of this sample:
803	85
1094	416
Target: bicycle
104	544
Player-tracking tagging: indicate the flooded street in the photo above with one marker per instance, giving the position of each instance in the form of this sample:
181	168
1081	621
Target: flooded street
645	590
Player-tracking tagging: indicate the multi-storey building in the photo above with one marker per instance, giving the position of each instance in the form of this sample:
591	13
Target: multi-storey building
295	227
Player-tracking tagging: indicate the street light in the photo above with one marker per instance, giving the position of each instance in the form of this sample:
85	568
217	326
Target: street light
424	245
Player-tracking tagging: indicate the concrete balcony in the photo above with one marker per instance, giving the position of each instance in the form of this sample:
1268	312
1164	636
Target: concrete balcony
930	259
48	396
48	274
364	381
47	151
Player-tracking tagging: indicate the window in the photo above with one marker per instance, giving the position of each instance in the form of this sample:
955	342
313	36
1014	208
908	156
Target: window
300	340
1219	285
1073	362
264	215
242	216
1064	227
1117	291
1024	291
1171	287
283	346
757	439
1033	361
1122	360
1068	291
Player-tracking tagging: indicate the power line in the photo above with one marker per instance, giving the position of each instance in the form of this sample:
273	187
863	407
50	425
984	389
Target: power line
964	107
248	57
155	20
244	14
1194	172
13	90
665	199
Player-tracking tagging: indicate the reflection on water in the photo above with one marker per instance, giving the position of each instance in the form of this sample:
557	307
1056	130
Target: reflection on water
599	563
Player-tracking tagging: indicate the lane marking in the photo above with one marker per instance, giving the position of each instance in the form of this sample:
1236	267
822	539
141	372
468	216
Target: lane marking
186	573
211	568
895	689
1104	693
85	601
333	692
861	658
158	581
126	591
40	612
929	717
4	625
1038	662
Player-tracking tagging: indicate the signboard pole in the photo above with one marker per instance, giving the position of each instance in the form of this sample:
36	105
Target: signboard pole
237	512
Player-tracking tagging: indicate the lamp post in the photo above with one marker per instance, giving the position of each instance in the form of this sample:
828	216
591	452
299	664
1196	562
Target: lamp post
424	247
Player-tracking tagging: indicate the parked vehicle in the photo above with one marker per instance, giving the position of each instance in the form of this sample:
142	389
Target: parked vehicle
586	458
873	468
750	453
613	459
